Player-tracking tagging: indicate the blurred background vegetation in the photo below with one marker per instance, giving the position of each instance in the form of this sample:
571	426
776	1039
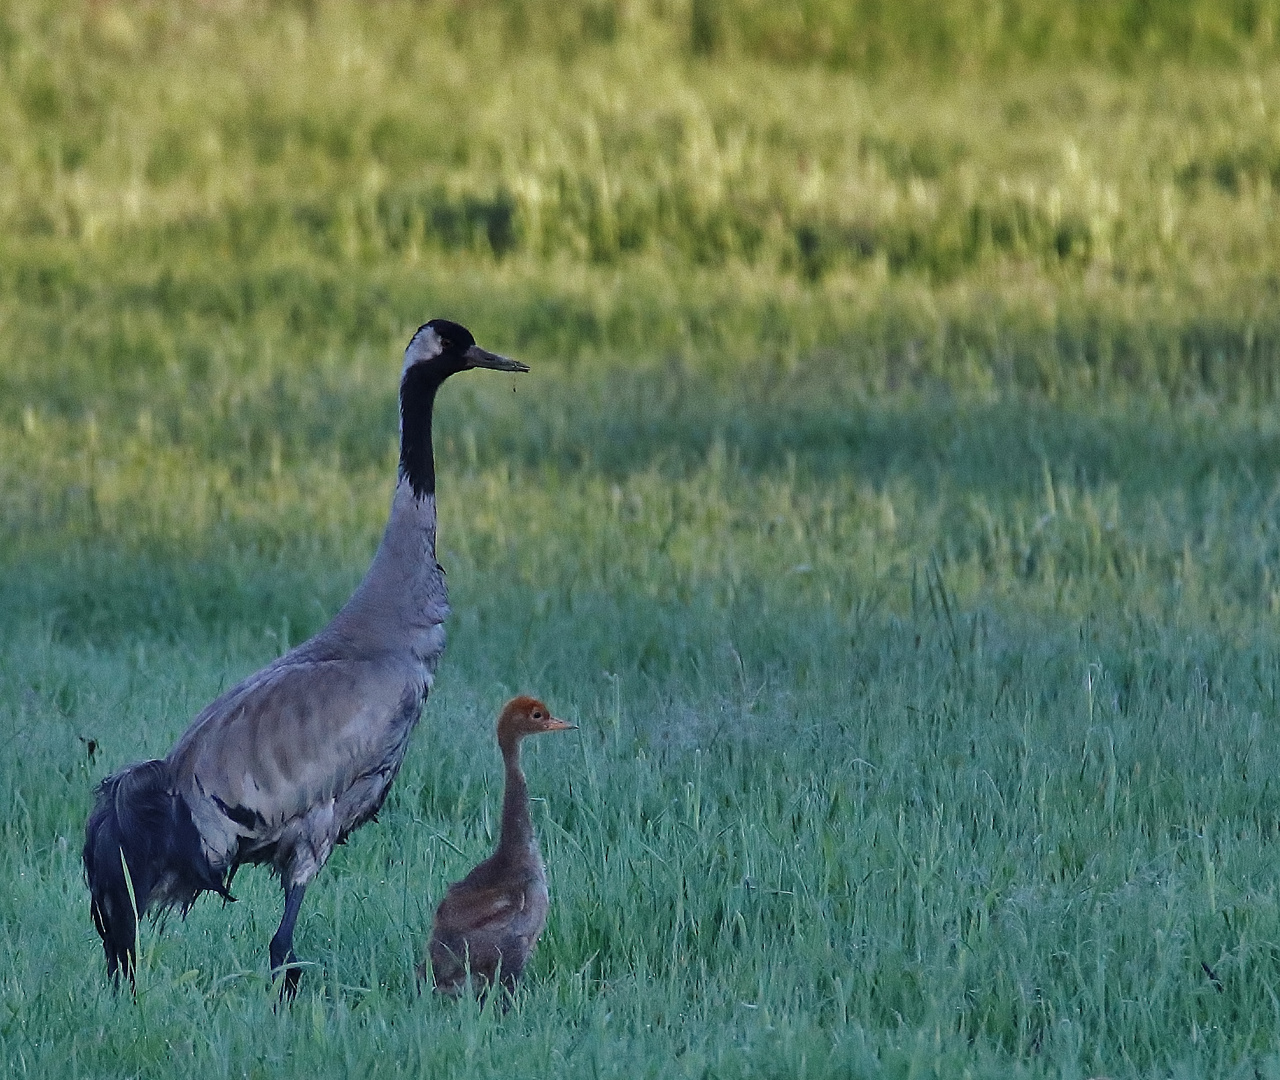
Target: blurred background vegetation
1054	196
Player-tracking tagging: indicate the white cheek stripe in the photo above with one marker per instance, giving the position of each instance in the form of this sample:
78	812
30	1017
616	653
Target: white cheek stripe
426	345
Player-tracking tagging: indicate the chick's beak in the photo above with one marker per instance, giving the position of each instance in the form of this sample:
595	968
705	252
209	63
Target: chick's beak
478	357
552	724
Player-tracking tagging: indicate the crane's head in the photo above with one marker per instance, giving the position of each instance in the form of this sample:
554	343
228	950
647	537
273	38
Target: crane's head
439	349
523	716
448	348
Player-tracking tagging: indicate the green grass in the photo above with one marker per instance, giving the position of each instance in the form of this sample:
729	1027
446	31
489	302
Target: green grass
894	503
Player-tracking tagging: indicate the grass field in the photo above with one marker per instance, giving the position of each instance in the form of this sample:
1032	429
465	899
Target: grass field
894	503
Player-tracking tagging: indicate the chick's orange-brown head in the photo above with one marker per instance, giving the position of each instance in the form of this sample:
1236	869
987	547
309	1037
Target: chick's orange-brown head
527	716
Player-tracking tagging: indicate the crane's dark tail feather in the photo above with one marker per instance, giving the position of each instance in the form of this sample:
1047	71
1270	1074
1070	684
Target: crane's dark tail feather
141	823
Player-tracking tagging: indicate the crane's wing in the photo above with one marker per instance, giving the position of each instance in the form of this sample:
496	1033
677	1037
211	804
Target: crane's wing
467	909
292	737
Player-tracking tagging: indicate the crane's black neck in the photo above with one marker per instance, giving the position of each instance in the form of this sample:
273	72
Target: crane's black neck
417	399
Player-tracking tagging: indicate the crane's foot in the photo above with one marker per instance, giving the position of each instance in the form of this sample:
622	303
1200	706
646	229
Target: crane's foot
284	963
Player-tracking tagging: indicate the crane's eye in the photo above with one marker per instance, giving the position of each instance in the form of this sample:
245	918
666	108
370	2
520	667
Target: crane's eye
537	714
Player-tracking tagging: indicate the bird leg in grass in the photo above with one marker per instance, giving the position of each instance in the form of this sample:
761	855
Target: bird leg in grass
282	955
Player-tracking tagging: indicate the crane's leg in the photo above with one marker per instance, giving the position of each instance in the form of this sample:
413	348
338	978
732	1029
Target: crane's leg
282	943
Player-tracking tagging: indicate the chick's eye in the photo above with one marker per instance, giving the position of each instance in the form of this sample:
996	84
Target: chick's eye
537	714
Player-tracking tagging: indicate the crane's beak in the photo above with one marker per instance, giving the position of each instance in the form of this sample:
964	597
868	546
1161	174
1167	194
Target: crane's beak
478	357
552	724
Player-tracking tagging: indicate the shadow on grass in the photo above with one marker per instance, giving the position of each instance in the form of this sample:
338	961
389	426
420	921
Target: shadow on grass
813	423
807	431
629	423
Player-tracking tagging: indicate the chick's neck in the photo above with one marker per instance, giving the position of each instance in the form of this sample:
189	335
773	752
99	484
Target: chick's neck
517	827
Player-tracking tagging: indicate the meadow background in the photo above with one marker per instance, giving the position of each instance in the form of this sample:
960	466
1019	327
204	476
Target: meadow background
894	502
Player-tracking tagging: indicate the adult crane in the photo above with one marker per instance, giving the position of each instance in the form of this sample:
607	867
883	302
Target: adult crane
287	763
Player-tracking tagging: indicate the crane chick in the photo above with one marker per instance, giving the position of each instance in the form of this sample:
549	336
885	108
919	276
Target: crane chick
286	764
489	922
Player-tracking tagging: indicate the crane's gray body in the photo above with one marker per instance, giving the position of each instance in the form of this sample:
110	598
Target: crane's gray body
285	765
